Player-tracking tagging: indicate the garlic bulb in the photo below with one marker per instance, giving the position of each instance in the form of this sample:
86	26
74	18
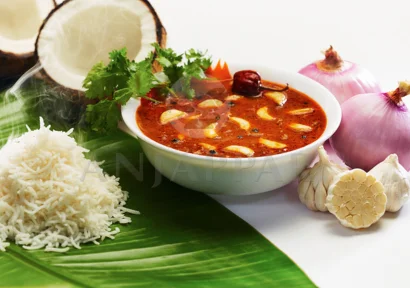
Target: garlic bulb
356	198
395	180
315	181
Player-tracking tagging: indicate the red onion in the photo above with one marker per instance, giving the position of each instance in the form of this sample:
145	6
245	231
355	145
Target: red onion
373	126
343	78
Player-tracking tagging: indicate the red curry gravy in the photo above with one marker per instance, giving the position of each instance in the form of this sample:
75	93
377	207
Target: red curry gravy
188	133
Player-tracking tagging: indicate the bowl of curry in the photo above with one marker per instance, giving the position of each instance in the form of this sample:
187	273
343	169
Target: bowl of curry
222	142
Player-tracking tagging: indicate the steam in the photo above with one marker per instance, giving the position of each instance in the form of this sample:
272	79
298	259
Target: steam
20	82
35	95
54	103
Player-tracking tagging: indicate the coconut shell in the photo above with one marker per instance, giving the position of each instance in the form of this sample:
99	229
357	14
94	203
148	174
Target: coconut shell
14	65
161	40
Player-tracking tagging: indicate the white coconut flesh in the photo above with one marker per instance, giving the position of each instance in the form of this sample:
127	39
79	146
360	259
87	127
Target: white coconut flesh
20	21
81	33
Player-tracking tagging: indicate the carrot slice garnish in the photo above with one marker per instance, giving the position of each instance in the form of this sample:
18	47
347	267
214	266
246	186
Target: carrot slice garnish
220	72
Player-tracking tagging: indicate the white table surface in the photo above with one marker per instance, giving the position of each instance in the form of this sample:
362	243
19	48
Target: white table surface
290	34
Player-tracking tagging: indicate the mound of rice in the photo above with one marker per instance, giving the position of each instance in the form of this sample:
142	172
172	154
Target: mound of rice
52	197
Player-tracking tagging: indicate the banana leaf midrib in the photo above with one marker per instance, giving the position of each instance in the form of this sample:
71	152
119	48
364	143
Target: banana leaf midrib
29	261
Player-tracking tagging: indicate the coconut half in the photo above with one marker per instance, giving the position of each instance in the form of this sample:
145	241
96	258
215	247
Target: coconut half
20	21
80	33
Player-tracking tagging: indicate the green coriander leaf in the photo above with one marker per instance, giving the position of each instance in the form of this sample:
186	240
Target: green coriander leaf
118	61
103	117
206	63
170	62
186	88
162	78
192	53
123	95
133	66
164	62
174	73
198	58
105	85
102	81
93	82
141	83
169	54
193	70
122	53
143	79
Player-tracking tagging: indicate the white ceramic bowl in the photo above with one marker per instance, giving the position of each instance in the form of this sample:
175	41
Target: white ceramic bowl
240	176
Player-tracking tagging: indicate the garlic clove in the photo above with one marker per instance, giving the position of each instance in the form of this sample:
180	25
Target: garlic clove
243	124
208	146
314	182
272	144
303	186
171	115
310	198
278	97
320	197
210	131
233	98
302	111
240	149
395	180
264	114
210	103
356	206
300	127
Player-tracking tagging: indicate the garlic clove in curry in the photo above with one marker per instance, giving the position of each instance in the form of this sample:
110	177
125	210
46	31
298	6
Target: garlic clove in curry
395	180
211	103
243	124
208	146
171	115
302	111
210	131
272	144
233	97
314	182
300	127
264	114
240	150
278	97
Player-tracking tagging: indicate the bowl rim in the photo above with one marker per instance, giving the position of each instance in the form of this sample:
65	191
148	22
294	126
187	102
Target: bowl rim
129	109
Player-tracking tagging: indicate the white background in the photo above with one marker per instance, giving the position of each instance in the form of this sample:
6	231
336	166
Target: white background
289	34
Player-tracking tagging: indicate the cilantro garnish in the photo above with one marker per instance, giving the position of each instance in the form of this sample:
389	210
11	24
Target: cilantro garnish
115	83
103	80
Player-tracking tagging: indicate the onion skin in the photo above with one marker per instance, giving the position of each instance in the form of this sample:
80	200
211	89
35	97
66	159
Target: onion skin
343	78
373	127
351	80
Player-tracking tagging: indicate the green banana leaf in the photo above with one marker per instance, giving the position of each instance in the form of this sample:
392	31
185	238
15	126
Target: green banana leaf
181	239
